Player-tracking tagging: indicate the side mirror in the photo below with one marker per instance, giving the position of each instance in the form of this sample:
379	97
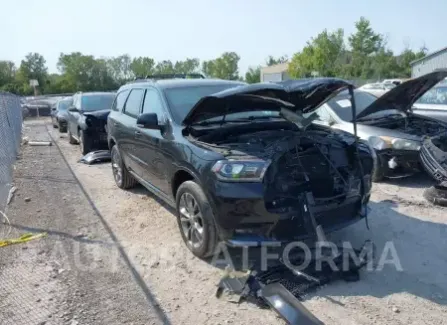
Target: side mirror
148	121
73	109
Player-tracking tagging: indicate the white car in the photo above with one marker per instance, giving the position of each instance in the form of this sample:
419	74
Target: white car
377	89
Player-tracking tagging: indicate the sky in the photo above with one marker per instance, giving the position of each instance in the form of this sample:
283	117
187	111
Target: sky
174	30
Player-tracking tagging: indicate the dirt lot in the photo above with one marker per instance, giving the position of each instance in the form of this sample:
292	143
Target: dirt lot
136	270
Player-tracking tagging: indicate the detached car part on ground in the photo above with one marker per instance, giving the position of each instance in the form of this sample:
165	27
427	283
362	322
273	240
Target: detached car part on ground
244	164
87	120
388	123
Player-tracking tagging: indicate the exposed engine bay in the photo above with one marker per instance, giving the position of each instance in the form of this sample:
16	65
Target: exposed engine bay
411	124
320	160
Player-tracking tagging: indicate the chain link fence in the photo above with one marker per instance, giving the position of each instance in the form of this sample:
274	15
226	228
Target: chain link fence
10	140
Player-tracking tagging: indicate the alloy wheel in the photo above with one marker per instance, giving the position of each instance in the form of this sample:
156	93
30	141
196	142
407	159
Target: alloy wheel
191	220
116	167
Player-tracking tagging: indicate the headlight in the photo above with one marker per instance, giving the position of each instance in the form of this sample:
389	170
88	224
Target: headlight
240	171
382	142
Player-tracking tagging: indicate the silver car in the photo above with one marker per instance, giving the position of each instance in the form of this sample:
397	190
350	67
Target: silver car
387	123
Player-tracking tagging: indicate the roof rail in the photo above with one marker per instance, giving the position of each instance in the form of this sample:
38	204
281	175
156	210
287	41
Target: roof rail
156	77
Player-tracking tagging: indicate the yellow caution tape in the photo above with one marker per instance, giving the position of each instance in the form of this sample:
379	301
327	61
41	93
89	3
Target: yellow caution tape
22	239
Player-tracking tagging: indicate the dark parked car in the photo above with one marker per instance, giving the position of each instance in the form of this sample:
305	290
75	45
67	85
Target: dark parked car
87	120
388	123
59	113
238	162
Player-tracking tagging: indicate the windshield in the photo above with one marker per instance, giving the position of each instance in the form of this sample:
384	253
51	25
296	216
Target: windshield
64	104
436	96
341	104
96	102
182	100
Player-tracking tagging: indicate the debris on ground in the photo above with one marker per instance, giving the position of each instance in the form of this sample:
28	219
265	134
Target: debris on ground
96	157
27	199
281	287
437	195
287	305
11	194
22	239
40	143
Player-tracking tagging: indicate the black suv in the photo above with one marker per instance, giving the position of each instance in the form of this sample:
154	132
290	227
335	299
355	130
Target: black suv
240	162
87	118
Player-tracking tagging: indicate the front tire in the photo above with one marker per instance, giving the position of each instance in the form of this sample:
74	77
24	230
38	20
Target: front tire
71	140
85	143
123	179
195	219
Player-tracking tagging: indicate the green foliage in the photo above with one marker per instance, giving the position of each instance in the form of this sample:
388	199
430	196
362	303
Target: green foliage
253	75
273	61
142	66
7	72
366	56
223	67
323	55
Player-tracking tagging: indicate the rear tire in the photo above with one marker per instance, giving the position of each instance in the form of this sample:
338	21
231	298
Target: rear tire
62	129
123	179
196	220
71	140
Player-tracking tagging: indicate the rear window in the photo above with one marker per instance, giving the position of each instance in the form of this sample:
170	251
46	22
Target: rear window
64	104
96	102
182	100
436	96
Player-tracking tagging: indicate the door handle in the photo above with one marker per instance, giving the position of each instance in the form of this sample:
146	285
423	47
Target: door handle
137	134
115	124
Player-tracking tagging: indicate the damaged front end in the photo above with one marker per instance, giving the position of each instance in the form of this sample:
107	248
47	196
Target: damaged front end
434	158
315	177
284	179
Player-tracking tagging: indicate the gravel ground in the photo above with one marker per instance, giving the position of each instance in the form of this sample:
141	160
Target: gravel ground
139	272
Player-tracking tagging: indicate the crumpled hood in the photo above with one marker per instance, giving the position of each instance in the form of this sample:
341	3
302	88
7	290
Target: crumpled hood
101	114
403	96
304	95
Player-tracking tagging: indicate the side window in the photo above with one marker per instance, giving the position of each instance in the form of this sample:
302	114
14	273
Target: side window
153	103
120	99
133	103
323	114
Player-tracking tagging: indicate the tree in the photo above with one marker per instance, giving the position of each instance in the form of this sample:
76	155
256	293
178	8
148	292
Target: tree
364	44
164	67
187	66
7	72
323	54
253	75
273	61
406	57
85	73
33	67
223	67
120	68
142	66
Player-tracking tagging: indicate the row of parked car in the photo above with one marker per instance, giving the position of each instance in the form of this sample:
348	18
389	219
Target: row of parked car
269	161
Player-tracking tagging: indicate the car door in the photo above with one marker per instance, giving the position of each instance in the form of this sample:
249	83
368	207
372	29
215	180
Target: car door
115	120
127	126
74	116
150	144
